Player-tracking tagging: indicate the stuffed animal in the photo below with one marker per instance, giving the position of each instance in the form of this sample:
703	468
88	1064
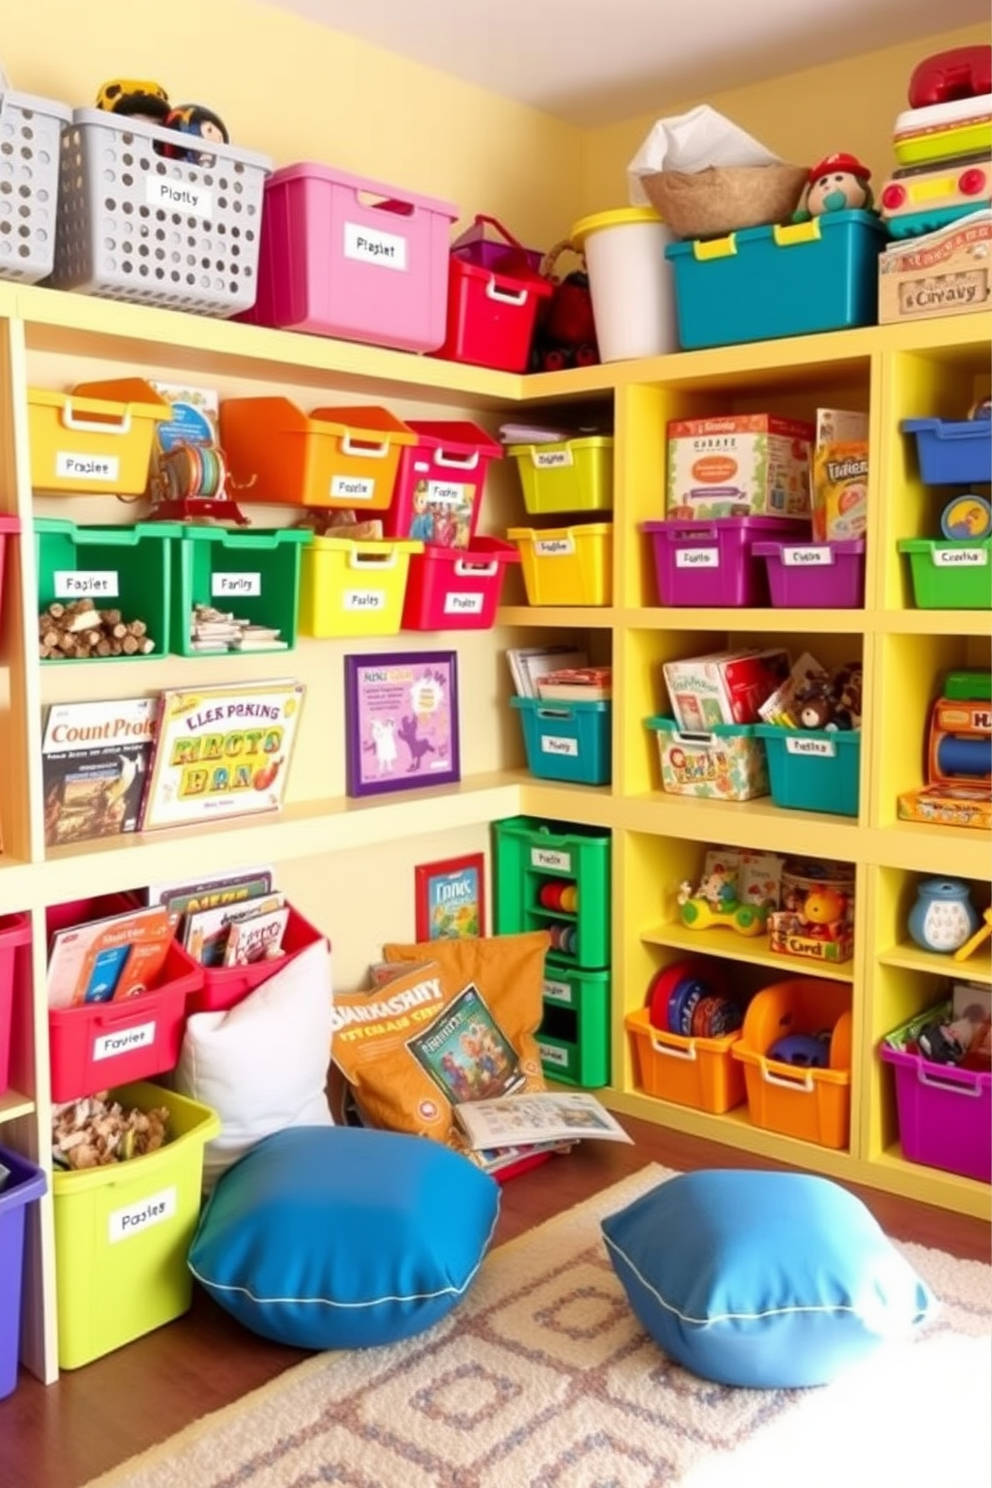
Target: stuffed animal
837	183
146	101
199	123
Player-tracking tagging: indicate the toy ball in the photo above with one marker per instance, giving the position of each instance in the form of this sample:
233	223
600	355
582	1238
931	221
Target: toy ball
801	1050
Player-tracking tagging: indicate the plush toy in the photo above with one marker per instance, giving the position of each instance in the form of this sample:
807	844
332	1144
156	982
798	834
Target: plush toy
200	123
146	101
838	183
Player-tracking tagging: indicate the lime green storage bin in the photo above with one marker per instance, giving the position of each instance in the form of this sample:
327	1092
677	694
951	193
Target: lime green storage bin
813	769
570	475
123	1232
530	853
567	741
120	568
253	575
574	1036
950	575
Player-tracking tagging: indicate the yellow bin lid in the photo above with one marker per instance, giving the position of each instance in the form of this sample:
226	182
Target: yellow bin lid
620	217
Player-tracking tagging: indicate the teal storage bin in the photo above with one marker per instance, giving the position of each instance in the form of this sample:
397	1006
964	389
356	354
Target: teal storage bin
790	279
253	574
813	769
567	741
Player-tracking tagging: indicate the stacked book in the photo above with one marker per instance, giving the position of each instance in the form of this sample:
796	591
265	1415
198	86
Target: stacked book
221	630
589	684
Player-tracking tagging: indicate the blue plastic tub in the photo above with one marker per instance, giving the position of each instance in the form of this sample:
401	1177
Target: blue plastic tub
813	769
26	1182
952	453
567	741
791	279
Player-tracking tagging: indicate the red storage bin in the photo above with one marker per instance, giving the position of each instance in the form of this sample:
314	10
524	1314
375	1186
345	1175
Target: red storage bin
491	317
440	482
9	527
224	986
15	952
447	589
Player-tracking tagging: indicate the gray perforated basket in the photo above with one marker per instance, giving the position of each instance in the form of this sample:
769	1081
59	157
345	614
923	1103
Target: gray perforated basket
29	184
135	224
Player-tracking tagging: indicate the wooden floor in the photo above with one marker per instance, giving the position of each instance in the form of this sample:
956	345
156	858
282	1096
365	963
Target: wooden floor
62	1435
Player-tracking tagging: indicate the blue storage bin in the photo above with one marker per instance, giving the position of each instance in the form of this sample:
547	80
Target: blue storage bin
567	741
952	453
813	769
790	279
26	1183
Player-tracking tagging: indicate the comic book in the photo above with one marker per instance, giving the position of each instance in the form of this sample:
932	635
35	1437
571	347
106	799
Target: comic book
543	1116
95	758
466	1053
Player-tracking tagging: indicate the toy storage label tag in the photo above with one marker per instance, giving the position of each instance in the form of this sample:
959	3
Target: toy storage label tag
78	583
960	557
552	459
463	604
369	245
823	748
240	584
554	547
153	1210
69	466
697	557
179	196
557	991
353	487
547	858
568	748
110	1045
807	557
355	600
550	1055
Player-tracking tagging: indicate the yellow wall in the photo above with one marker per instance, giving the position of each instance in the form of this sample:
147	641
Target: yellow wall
843	106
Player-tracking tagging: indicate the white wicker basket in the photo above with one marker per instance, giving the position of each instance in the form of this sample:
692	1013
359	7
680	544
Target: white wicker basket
29	184
134	224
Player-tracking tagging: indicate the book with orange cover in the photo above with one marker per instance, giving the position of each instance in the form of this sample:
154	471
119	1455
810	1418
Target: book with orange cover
110	959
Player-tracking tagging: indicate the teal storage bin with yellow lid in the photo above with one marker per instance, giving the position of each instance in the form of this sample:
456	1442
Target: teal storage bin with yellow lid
789	279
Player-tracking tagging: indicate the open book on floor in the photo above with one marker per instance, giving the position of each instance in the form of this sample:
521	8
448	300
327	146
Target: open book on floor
545	1116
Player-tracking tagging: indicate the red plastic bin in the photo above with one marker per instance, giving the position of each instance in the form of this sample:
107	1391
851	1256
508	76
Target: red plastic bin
711	562
449	464
491	317
15	952
447	589
9	527
224	986
945	1114
815	575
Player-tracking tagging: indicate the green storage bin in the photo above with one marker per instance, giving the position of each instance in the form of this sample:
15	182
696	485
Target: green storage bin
570	475
121	568
813	769
574	1036
567	741
528	853
950	575
254	575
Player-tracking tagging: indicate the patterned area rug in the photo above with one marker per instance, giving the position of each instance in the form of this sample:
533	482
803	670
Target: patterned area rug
543	1379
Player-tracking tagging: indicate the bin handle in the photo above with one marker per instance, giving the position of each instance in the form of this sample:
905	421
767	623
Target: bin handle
373	560
673	1051
947	1083
365	450
119	1012
506	296
457	462
698	534
548	712
803	1081
465	569
96	426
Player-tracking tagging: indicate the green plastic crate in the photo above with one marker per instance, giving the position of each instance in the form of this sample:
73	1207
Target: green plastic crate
950	575
574	1036
254	575
121	568
529	852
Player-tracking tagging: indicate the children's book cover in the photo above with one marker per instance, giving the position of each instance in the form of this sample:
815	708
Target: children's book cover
206	934
110	959
221	751
256	938
465	1051
95	758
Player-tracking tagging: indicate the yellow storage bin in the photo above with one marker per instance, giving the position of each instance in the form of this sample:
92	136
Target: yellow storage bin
123	1232
809	1103
571	475
333	457
697	1072
97	439
566	565
350	588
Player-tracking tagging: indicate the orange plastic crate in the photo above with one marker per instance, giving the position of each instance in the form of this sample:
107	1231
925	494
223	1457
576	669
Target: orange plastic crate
697	1072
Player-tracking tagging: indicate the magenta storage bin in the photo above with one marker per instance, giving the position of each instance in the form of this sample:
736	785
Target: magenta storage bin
26	1183
224	986
440	482
945	1114
455	589
344	256
815	575
711	562
15	968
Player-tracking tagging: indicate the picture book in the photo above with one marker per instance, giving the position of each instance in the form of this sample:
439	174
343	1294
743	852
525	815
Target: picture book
545	1116
221	751
207	893
95	758
528	663
577	684
256	937
110	959
205	933
466	1053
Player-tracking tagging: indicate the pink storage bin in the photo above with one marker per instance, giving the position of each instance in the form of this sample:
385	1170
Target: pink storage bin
15	970
344	256
815	575
224	986
450	460
452	589
711	562
945	1114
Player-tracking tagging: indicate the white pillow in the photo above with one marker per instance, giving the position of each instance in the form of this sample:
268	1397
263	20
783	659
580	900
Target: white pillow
262	1065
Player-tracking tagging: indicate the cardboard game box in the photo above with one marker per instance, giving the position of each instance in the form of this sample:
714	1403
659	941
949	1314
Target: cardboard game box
946	272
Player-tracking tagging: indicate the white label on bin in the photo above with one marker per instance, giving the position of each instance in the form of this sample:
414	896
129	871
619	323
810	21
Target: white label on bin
86	467
697	557
559	991
550	1055
449	493
960	557
824	748
179	196
566	747
153	1210
239	584
110	1045
372	600
554	547
369	245
78	583
552	459
463	604
548	859
807	557
353	487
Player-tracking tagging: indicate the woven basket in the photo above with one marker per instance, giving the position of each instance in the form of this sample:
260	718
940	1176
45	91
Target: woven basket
723	199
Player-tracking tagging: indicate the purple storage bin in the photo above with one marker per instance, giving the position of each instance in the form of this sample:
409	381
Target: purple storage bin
711	561
26	1182
815	575
945	1114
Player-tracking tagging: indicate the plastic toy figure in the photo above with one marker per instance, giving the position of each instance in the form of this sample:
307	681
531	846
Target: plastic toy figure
201	123
838	183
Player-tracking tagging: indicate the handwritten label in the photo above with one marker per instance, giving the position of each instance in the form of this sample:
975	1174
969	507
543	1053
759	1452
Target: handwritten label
153	1210
370	246
551	1055
565	748
449	493
179	196
554	547
824	748
960	557
240	584
807	557
372	600
353	487
697	557
69	466
110	1045
557	991
78	583
463	604
552	459
548	859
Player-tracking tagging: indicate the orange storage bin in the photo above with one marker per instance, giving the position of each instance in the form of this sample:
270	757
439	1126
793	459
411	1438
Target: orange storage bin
698	1072
332	457
812	1104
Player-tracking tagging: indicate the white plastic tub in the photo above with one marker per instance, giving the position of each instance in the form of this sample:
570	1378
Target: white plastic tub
631	283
